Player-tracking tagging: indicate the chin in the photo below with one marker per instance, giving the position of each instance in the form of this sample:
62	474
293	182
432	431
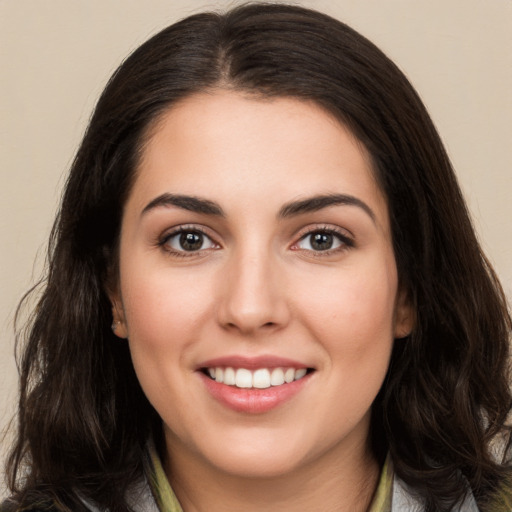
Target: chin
261	466
256	455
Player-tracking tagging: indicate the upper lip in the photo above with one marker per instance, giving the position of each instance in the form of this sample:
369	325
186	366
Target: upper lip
252	363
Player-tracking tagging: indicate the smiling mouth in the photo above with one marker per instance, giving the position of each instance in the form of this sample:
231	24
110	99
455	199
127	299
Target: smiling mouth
261	378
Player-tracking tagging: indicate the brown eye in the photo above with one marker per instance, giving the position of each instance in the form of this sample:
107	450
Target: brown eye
188	241
191	241
323	240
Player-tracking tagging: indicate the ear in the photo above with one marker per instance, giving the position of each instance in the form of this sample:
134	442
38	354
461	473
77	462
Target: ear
405	315
119	327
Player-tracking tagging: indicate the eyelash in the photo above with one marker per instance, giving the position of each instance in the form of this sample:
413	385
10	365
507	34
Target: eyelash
346	242
162	242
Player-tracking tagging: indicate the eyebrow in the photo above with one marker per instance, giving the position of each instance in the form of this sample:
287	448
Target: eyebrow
316	203
190	203
291	209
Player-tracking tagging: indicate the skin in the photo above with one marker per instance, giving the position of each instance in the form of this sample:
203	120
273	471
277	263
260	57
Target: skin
258	287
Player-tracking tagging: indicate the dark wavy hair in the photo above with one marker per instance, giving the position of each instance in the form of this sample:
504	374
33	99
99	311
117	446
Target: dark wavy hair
83	419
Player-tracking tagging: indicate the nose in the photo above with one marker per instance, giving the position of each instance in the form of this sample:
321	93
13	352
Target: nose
253	295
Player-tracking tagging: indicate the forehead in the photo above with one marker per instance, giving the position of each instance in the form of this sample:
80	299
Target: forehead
229	145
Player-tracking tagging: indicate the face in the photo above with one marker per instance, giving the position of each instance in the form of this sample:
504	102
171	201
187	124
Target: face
257	284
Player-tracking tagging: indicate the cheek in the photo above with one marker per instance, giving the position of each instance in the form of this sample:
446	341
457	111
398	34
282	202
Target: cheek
158	302
352	319
163	309
354	309
353	324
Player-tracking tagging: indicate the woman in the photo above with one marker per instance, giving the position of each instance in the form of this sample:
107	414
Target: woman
264	291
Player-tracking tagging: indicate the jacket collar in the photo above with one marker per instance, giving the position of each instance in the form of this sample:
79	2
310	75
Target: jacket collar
392	494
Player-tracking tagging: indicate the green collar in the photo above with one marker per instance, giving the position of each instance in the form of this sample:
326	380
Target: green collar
167	502
164	495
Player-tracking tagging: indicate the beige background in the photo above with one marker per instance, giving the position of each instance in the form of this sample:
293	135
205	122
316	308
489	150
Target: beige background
56	55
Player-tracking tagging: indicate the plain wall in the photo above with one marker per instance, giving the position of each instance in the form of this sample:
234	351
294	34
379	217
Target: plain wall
56	56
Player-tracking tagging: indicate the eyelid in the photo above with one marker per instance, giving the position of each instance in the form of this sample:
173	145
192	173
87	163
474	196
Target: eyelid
164	238
344	236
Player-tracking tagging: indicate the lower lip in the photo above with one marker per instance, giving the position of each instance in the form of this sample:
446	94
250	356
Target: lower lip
253	401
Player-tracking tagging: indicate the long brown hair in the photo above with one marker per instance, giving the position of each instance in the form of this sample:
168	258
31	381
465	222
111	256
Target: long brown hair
83	420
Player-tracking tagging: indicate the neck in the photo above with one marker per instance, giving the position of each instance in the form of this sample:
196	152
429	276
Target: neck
338	481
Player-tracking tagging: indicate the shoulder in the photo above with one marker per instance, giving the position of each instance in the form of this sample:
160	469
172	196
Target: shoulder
502	501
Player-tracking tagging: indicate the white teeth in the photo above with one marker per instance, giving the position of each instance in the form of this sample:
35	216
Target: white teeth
243	378
289	375
261	378
277	377
229	377
300	373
